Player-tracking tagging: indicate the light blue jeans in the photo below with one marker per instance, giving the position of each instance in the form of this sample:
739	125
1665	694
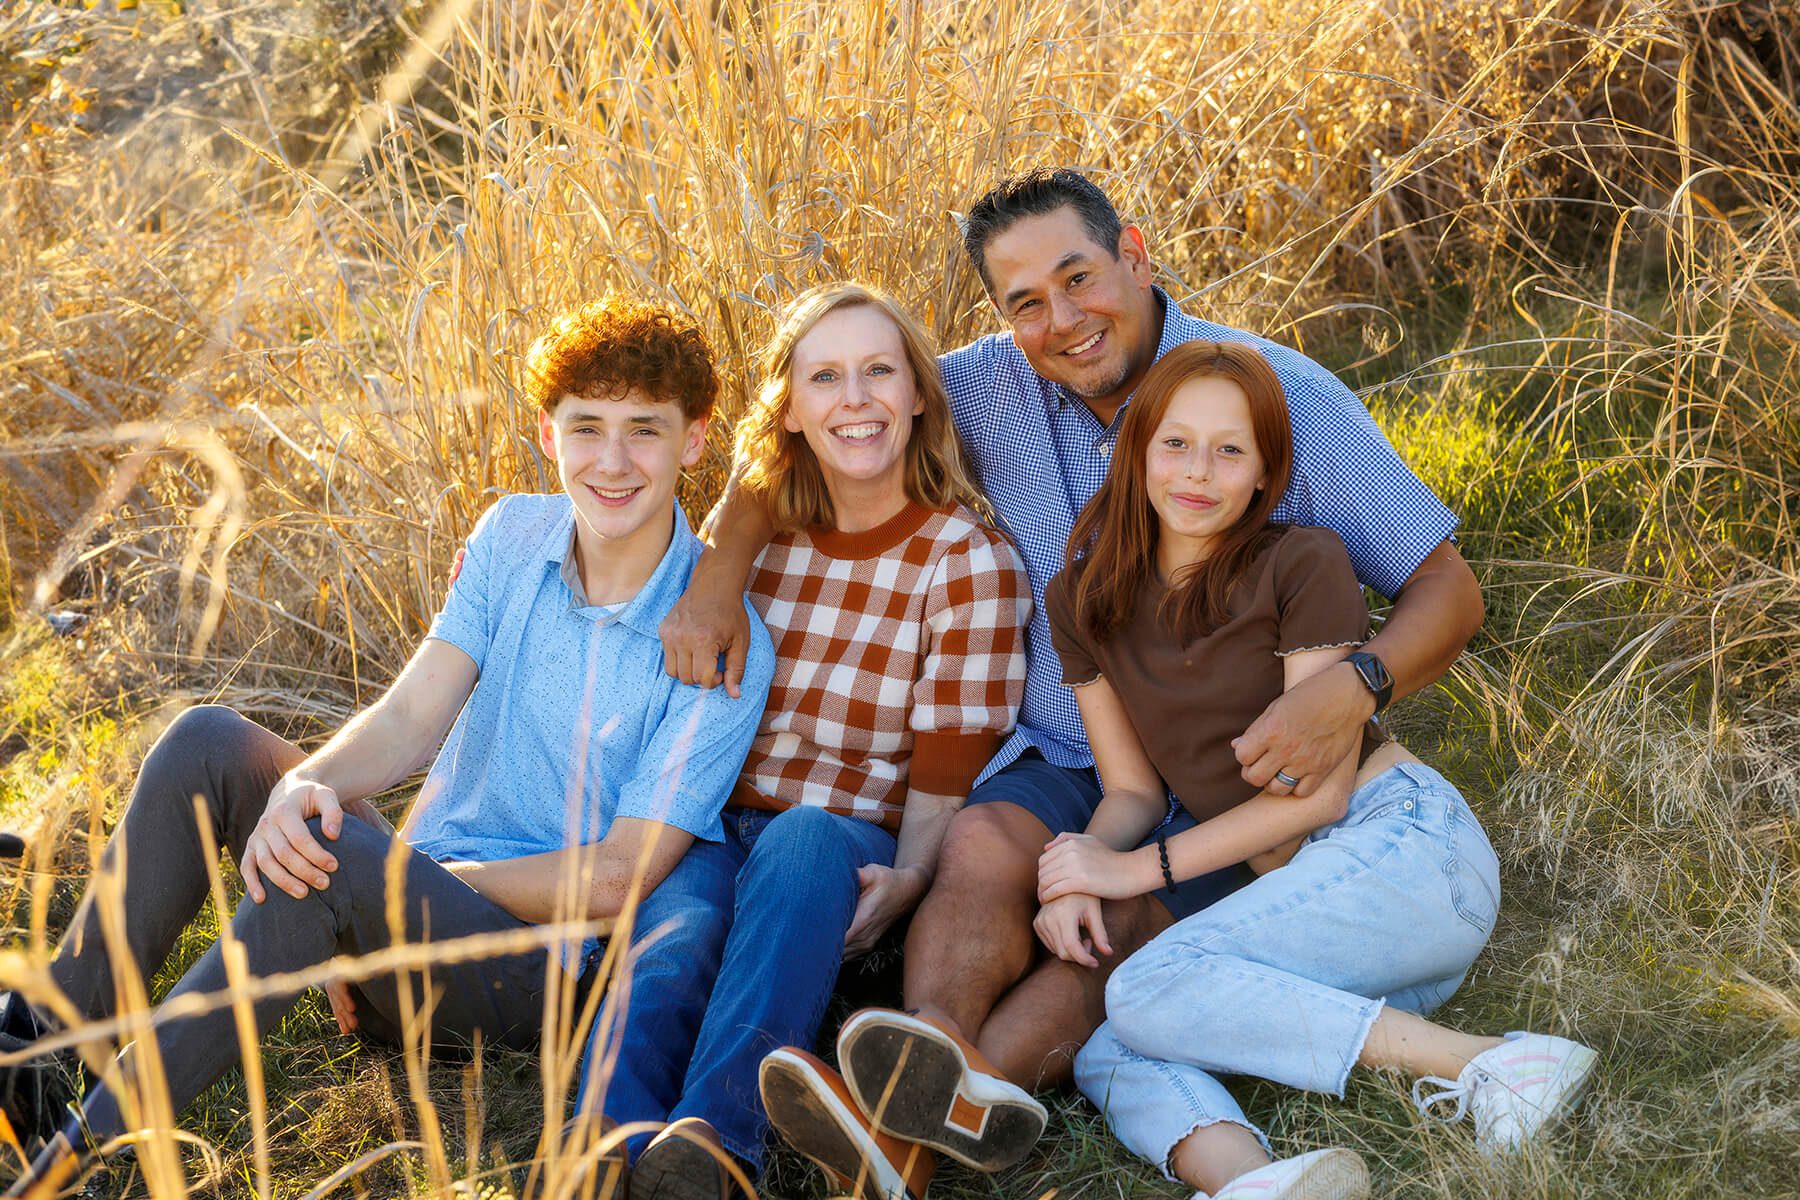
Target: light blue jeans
1283	978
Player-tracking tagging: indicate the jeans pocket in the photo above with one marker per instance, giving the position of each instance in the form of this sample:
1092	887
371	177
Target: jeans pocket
1471	868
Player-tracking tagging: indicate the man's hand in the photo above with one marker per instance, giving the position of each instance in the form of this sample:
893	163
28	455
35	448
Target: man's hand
1072	929
281	848
887	895
1080	862
707	621
1305	732
343	1005
456	563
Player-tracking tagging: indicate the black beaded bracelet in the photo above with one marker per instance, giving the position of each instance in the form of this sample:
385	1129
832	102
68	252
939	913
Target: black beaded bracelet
1162	852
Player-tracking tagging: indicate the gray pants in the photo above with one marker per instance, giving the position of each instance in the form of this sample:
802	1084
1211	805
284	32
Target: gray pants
231	764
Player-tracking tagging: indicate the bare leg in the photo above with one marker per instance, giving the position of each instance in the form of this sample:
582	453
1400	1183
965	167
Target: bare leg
1214	1155
971	938
1400	1041
1038	1026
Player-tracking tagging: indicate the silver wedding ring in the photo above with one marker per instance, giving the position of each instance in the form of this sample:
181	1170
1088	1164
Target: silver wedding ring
1284	777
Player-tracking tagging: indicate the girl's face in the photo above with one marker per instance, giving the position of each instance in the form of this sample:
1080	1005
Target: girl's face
1203	468
851	394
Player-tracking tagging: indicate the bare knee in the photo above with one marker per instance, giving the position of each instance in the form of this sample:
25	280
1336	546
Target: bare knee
991	846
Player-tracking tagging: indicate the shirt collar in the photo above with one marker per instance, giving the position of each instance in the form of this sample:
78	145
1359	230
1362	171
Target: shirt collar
643	612
1173	319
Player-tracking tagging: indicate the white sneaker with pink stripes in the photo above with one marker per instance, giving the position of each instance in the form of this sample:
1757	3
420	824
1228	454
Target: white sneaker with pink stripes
1515	1091
1321	1175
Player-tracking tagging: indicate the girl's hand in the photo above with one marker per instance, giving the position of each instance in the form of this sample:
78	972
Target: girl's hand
1077	862
1072	929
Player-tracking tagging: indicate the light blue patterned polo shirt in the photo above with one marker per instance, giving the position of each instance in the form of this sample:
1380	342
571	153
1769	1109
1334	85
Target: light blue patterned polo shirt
573	722
1041	455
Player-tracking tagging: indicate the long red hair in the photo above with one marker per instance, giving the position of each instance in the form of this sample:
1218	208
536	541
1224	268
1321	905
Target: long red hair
1112	551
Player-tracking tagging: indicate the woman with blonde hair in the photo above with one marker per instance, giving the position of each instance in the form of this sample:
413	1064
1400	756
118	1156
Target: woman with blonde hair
897	616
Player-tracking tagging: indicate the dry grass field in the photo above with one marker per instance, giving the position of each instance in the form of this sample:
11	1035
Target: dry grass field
268	269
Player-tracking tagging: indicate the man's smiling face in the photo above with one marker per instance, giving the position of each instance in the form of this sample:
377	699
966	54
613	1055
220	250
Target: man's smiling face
1083	315
620	459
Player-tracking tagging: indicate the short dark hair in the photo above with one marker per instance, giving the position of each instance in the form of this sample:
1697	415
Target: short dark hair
609	347
1034	193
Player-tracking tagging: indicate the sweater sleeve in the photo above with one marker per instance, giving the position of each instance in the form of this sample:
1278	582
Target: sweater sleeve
968	691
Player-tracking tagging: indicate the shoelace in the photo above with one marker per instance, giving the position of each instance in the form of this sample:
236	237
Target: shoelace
1448	1089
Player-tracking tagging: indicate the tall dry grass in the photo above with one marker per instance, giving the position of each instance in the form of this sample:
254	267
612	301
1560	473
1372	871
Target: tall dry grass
269	270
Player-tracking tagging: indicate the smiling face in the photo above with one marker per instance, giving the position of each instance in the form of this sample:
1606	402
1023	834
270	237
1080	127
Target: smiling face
619	460
1203	468
1083	316
852	396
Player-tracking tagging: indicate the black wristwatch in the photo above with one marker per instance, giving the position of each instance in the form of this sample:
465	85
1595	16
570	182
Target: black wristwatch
1374	674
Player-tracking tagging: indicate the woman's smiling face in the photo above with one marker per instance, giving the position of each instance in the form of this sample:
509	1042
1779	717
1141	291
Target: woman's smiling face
1203	467
852	395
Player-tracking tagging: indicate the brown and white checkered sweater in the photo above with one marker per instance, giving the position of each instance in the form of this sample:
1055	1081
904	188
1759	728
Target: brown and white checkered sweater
899	660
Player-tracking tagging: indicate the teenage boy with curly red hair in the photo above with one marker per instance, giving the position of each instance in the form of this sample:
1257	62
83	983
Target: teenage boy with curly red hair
573	771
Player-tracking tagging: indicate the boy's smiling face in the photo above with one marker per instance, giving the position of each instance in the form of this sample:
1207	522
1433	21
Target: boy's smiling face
620	459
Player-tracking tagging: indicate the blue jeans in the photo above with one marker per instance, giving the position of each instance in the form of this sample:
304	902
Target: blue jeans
1283	978
736	953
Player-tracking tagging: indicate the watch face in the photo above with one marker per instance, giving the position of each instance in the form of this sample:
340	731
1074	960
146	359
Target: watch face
1379	671
1374	674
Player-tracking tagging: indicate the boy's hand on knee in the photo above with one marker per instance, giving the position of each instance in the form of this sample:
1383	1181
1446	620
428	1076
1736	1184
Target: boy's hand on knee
282	850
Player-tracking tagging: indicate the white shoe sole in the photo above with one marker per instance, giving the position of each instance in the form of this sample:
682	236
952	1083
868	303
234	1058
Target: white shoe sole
1330	1175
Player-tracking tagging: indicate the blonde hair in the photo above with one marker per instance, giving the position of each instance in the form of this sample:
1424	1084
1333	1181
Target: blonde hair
780	467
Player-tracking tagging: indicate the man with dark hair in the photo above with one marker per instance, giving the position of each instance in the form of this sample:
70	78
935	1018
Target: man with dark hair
1039	408
573	774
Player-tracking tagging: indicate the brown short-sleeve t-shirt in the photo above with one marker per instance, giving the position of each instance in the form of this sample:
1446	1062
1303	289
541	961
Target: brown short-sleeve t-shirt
1188	701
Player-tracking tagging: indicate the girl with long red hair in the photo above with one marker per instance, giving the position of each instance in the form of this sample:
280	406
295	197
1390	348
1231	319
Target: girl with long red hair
1182	613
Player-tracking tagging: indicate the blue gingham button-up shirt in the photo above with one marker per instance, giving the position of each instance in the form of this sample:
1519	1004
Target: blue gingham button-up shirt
1041	455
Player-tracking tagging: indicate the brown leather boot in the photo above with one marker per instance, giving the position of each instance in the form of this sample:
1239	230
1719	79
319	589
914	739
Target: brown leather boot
919	1081
810	1106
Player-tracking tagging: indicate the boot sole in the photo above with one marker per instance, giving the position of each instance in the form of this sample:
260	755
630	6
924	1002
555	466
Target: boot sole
935	1099
814	1121
678	1170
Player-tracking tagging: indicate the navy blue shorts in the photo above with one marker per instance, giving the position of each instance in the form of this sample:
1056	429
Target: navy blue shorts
1064	799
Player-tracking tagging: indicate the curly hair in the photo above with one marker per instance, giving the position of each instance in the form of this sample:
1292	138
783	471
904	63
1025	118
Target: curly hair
779	465
608	347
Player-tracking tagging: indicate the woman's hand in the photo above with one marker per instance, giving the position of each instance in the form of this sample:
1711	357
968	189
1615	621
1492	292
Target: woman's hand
1072	929
1080	862
887	894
